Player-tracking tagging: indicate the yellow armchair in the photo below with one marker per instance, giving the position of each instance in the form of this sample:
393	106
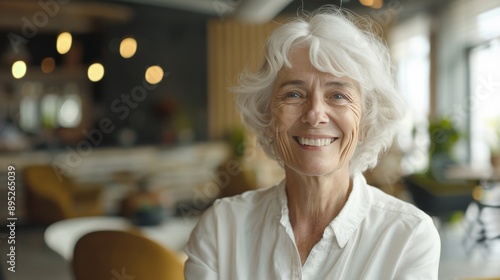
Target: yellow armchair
104	255
51	198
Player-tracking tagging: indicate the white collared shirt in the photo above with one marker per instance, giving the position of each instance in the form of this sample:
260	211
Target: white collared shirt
375	236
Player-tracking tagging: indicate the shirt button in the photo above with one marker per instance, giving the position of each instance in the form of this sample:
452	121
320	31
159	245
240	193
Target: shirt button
329	231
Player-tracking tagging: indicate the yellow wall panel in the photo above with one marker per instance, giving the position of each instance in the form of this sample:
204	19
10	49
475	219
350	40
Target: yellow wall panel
232	45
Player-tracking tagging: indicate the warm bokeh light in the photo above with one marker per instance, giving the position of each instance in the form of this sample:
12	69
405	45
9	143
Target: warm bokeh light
48	65
367	3
154	74
477	193
19	69
128	47
95	72
64	41
377	4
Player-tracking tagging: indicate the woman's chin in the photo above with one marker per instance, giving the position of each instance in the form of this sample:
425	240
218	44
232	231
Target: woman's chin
315	170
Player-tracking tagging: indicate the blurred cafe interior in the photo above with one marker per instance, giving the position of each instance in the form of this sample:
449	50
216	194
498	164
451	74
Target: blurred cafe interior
116	117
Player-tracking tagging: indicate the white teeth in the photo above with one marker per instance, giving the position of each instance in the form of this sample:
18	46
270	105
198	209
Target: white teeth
314	142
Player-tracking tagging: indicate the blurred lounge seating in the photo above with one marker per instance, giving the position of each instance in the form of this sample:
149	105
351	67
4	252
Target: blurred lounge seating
439	198
51	198
104	255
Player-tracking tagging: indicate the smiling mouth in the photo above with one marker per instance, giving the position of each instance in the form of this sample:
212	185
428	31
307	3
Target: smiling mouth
314	142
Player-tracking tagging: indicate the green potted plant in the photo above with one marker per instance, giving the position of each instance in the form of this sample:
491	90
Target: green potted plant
240	177
444	136
431	190
236	140
495	147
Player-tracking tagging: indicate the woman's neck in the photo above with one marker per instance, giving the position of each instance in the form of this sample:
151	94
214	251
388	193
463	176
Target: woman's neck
316	200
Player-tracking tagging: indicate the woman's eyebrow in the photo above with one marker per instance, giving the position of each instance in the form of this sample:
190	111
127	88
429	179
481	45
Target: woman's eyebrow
292	83
340	84
328	84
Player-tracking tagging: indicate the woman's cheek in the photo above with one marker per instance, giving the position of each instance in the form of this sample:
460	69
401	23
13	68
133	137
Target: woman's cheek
349	143
284	118
348	147
282	146
284	115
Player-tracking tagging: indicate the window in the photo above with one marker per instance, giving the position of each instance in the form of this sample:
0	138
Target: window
411	49
484	100
56	109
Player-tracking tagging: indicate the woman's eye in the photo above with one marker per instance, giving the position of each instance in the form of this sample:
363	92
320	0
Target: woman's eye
293	95
338	96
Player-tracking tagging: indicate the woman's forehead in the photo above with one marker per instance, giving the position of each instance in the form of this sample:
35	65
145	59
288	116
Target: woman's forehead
302	68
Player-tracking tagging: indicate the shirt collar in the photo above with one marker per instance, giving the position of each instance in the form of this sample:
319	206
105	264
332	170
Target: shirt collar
349	218
283	205
354	211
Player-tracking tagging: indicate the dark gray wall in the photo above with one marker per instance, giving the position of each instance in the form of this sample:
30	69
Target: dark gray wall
174	40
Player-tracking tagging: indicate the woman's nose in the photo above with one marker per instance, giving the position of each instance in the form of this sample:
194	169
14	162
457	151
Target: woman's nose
316	113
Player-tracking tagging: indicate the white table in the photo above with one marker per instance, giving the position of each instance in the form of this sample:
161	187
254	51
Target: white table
456	263
63	235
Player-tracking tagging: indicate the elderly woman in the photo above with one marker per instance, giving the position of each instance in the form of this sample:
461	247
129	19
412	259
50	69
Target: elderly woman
324	105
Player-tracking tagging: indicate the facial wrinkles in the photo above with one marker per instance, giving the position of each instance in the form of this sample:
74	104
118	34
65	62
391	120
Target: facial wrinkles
333	111
348	143
316	87
279	130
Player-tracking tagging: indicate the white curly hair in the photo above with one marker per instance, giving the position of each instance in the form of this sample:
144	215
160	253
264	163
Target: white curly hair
342	44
